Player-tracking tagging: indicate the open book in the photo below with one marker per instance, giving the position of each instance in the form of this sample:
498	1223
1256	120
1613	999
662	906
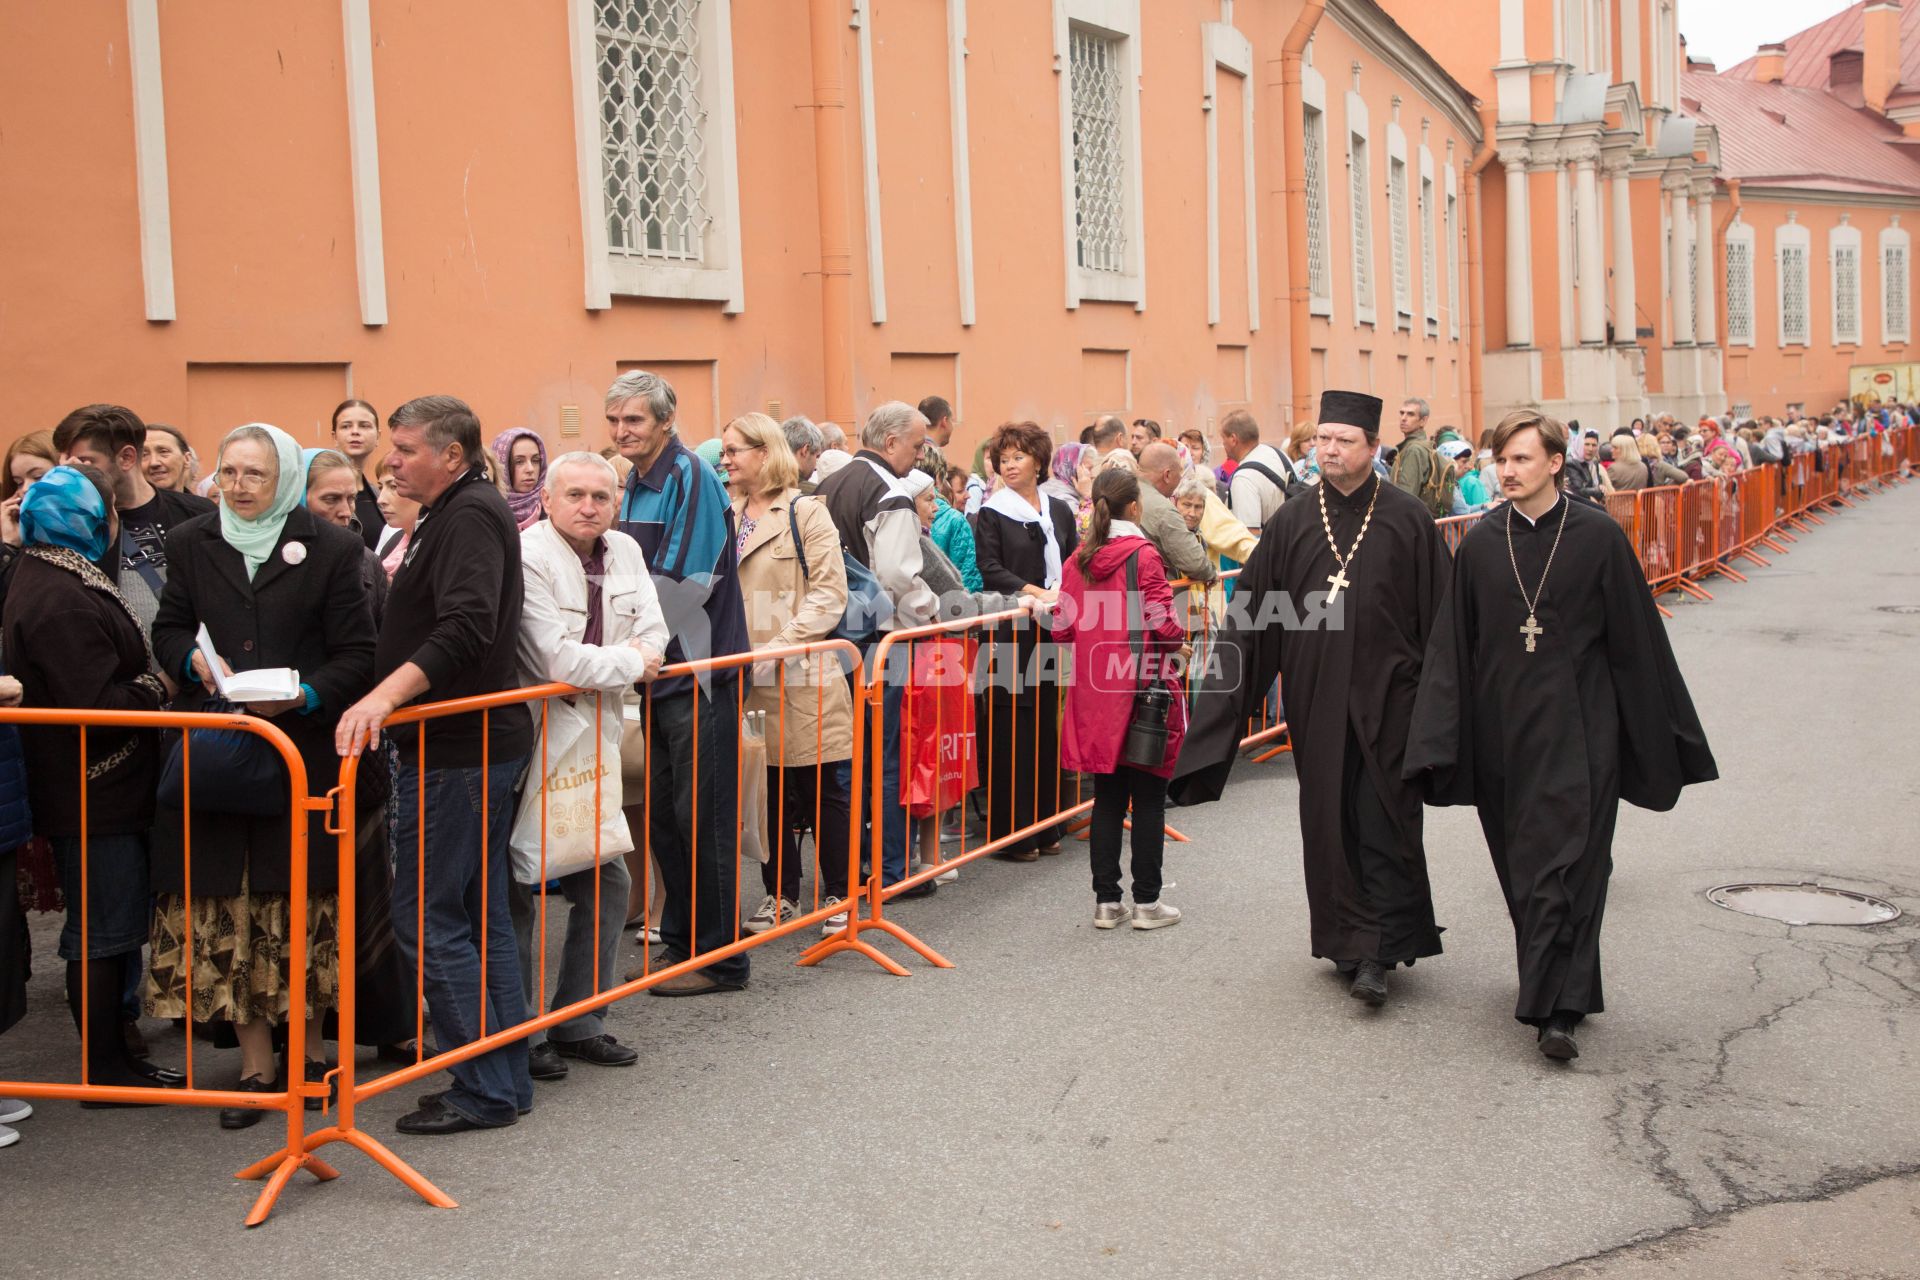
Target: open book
267	684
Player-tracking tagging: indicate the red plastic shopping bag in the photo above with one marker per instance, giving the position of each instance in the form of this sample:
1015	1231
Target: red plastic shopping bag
936	730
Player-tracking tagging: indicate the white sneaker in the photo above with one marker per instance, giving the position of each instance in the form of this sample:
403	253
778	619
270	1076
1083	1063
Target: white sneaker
12	1109
772	913
948	876
1111	915
8	1136
835	923
1154	915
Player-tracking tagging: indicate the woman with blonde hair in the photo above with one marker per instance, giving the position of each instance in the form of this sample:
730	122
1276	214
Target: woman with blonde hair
793	581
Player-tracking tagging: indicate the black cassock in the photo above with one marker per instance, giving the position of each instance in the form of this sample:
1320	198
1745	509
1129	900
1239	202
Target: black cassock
1348	683
1546	744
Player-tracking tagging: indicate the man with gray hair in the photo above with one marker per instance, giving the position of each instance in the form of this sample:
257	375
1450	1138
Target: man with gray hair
1417	467
806	442
874	513
674	506
1109	433
1179	547
592	620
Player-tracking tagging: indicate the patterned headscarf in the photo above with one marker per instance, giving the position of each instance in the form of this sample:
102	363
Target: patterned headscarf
1066	462
527	507
64	509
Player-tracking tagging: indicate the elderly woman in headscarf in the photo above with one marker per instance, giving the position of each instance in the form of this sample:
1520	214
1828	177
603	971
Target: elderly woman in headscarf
72	641
522	456
272	587
1585	477
1071	478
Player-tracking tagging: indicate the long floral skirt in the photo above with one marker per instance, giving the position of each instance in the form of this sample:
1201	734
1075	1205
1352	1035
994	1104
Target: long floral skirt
240	957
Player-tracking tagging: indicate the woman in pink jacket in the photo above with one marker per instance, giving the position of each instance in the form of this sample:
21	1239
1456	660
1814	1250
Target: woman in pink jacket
1094	618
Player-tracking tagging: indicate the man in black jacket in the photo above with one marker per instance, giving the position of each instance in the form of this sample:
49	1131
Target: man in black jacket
451	627
110	438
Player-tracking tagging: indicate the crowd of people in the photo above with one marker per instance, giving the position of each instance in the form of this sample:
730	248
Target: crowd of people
136	578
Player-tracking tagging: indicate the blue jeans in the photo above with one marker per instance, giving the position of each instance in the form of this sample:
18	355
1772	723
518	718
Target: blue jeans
699	871
493	1088
119	909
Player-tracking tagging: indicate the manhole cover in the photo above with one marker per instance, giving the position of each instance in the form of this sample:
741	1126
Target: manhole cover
1803	903
1899	608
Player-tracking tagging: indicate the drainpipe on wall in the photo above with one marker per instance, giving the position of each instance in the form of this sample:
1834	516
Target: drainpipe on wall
1733	209
1293	123
1476	284
828	24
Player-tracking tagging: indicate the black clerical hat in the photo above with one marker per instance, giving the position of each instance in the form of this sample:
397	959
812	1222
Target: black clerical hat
1351	408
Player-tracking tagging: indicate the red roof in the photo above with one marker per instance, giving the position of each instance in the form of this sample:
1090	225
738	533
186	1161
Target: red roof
1785	136
1807	52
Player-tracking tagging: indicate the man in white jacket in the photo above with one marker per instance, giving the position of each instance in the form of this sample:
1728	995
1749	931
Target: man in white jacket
592	620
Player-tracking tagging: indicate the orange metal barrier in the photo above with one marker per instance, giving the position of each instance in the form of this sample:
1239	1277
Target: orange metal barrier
291	1099
301	1146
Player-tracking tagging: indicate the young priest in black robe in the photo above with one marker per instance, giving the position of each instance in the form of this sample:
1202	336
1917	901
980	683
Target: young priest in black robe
1337	599
1550	694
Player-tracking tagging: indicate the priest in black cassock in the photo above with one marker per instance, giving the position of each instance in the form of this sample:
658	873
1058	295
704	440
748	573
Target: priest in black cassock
1337	600
1550	694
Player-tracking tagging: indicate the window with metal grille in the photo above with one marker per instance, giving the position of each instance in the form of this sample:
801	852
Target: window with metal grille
1794	325
1429	302
1893	291
1453	265
1099	153
1319	282
1397	212
651	128
1739	289
1846	293
1362	224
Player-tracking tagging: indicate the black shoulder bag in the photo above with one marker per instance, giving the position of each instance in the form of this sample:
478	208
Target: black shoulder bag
1145	746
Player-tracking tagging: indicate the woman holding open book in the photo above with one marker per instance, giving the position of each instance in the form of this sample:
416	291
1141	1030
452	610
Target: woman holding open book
269	603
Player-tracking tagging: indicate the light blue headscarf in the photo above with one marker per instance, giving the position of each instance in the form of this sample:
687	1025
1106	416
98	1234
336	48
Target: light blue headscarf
256	539
64	509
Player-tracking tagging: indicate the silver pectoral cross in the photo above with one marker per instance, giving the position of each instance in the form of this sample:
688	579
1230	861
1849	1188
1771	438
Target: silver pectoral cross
1339	580
1530	630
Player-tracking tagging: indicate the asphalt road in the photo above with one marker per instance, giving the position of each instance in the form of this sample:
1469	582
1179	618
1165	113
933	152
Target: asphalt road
1203	1100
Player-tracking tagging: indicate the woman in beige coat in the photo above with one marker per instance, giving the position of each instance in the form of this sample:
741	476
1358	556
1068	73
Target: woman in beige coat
793	582
1632	469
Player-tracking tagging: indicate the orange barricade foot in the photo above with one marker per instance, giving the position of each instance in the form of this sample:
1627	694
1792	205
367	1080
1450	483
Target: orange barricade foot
848	940
927	953
1284	748
1177	837
1696	592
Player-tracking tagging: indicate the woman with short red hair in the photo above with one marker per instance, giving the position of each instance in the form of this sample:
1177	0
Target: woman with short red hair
1022	538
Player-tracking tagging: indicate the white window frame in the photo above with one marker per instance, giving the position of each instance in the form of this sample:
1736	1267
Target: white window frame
1792	235
718	276
1228	50
1399	228
1893	237
1425	224
1118	20
1452	223
1360	218
1740	237
1844	239
1313	99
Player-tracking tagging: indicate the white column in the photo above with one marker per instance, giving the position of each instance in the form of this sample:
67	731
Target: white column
1593	269
1679	234
1625	314
1704	327
1519	261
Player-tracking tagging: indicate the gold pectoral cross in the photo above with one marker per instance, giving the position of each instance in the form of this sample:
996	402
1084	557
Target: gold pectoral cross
1531	630
1339	580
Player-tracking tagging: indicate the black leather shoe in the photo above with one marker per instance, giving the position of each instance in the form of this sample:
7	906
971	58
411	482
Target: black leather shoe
247	1117
156	1075
435	1101
925	889
1556	1039
437	1120
601	1051
1369	983
543	1063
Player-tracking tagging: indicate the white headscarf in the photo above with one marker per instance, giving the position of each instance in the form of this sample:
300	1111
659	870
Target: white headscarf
1016	508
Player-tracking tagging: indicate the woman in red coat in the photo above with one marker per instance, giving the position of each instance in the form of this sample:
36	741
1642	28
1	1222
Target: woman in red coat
1095	617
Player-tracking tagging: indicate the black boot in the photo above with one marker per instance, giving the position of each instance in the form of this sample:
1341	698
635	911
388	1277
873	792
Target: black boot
1369	983
1556	1037
108	1062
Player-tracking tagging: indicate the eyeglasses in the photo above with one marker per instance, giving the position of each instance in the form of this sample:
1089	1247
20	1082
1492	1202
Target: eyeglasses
251	481
729	452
